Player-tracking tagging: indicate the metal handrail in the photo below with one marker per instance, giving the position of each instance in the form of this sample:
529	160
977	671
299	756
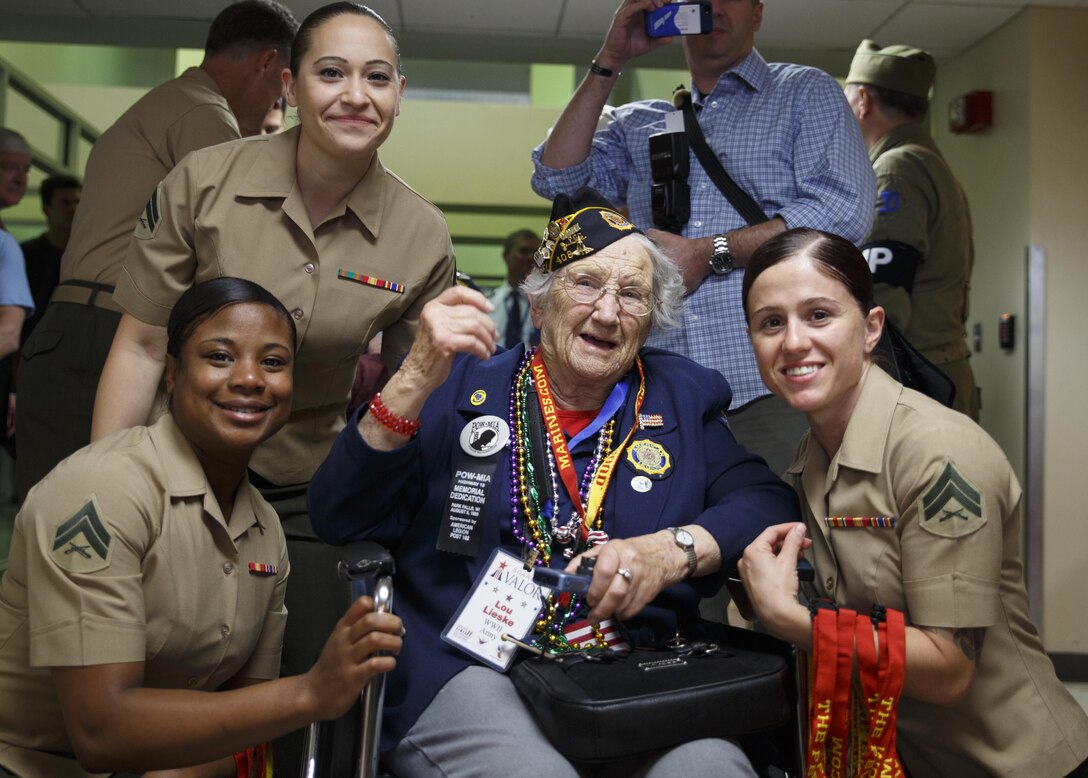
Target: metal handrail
74	127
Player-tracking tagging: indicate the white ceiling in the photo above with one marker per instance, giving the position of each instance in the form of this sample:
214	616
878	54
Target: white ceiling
536	30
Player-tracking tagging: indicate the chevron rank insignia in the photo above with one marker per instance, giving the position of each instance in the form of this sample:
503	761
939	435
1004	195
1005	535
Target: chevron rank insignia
81	543
147	224
951	506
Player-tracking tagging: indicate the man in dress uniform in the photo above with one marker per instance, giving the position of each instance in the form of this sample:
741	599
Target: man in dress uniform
225	97
920	247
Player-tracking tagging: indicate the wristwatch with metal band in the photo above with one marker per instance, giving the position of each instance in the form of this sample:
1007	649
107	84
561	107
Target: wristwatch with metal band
721	261
685	541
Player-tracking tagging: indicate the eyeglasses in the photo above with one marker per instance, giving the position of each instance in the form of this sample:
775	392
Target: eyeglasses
584	289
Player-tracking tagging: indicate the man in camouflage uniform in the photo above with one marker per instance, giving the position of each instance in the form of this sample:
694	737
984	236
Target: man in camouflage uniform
920	248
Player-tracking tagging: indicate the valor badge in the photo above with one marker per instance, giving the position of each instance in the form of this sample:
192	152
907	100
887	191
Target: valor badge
649	457
485	435
951	506
81	544
478	397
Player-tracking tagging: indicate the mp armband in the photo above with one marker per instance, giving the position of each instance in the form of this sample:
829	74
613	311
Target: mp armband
892	262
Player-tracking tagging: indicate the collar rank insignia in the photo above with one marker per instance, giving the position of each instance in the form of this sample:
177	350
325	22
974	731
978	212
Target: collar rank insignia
81	544
951	506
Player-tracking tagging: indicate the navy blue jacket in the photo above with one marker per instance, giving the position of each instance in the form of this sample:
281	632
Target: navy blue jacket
397	498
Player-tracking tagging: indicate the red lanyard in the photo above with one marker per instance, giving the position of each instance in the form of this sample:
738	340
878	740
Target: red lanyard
563	459
832	744
882	682
839	735
825	675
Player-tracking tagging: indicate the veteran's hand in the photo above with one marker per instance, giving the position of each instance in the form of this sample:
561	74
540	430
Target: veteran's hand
629	573
455	322
626	37
690	255
768	570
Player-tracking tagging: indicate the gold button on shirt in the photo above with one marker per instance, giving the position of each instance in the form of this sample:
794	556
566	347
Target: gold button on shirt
119	556
235	210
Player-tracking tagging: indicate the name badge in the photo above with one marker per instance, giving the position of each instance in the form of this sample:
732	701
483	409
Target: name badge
504	600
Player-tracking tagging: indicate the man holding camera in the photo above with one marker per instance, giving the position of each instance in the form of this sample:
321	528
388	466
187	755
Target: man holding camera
784	133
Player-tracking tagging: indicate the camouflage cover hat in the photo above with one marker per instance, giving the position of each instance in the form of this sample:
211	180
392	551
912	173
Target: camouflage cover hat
581	225
897	68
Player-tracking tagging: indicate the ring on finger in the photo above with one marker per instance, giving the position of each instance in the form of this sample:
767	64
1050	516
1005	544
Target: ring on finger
624	573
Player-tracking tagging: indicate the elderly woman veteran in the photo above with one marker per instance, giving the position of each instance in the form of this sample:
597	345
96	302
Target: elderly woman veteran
980	695
144	598
614	451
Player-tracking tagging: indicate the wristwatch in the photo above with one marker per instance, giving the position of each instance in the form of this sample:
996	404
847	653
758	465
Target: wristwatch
685	541
721	261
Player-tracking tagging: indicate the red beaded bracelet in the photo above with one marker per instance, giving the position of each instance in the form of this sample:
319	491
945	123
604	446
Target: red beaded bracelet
390	420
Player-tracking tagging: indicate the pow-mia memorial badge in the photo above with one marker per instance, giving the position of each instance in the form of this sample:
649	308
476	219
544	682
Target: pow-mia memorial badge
482	442
81	544
147	224
951	506
649	458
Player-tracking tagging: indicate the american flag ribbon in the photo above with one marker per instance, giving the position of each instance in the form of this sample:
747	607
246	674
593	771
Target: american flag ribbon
650	421
580	633
597	537
839	522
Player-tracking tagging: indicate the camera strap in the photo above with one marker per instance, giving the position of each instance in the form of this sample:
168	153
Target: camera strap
737	197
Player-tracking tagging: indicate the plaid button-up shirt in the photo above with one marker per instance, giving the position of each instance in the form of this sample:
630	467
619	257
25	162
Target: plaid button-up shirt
787	137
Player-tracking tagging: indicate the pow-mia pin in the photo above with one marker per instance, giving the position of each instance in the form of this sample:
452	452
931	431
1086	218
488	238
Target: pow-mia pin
649	458
485	435
81	543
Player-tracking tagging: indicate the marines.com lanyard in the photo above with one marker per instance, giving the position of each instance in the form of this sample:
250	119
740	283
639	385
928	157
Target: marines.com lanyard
563	459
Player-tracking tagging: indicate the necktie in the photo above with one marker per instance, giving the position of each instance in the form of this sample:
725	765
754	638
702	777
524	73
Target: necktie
513	321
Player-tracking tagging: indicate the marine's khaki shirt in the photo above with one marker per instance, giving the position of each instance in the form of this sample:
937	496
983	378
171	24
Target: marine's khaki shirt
952	560
122	554
130	159
920	203
236	210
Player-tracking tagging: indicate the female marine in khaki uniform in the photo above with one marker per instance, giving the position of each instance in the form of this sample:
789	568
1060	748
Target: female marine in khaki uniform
313	215
981	697
147	575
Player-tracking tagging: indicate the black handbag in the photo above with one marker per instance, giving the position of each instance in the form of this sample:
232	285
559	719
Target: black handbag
600	706
906	364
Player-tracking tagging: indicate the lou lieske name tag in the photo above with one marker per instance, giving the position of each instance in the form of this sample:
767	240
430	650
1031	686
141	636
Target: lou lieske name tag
504	599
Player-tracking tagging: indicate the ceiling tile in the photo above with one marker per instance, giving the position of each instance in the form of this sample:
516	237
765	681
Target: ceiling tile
587	18
822	24
477	16
942	29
